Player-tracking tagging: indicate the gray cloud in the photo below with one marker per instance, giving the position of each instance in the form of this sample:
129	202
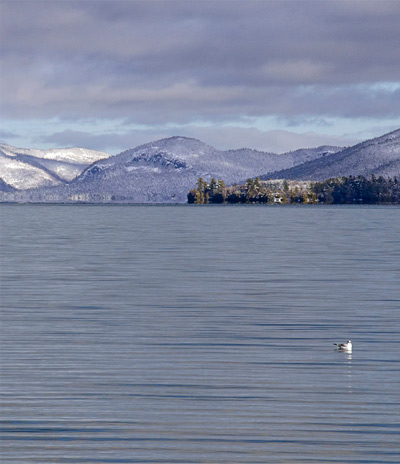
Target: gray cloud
157	62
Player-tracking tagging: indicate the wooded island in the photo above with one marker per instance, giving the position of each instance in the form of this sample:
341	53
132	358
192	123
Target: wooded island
340	190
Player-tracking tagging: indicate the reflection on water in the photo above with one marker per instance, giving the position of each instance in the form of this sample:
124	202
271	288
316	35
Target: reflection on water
199	335
348	357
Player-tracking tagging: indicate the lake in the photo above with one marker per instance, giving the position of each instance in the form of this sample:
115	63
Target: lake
200	334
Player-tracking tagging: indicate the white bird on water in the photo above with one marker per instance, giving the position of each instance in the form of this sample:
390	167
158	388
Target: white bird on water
347	346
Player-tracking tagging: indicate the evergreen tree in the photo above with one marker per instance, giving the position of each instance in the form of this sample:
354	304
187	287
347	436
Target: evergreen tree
200	191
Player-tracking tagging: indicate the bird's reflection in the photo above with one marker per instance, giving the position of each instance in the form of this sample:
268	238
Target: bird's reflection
349	372
347	356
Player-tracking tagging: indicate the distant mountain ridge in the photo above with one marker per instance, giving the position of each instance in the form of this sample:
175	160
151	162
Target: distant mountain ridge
27	168
165	170
379	156
191	154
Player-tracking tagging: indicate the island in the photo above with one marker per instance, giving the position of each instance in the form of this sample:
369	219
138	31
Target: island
339	190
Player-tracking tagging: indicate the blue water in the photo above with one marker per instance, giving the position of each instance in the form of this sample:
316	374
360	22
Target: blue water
189	334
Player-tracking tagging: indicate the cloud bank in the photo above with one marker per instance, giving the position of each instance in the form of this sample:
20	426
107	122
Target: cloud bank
199	66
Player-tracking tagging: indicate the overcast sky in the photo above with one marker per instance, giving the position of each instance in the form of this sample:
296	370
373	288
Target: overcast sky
272	75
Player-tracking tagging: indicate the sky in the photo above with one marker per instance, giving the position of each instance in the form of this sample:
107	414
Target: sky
273	75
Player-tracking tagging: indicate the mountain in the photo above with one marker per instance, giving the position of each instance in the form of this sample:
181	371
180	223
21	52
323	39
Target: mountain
178	154
285	160
165	170
24	168
379	156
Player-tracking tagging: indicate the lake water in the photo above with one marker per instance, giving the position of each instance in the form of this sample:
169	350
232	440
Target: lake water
189	334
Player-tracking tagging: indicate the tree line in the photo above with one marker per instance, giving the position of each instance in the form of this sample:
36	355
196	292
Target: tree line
340	190
353	190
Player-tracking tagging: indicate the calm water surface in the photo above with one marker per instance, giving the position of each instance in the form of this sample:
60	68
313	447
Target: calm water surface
178	334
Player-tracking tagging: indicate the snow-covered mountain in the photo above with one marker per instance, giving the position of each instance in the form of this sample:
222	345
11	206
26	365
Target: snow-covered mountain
22	175
379	156
181	153
24	168
165	170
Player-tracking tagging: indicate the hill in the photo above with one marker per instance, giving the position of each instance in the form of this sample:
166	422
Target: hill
164	170
26	168
379	156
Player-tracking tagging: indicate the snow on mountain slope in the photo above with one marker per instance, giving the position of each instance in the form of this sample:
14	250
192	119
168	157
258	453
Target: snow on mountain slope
167	169
67	155
379	156
163	171
31	168
22	175
186	153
